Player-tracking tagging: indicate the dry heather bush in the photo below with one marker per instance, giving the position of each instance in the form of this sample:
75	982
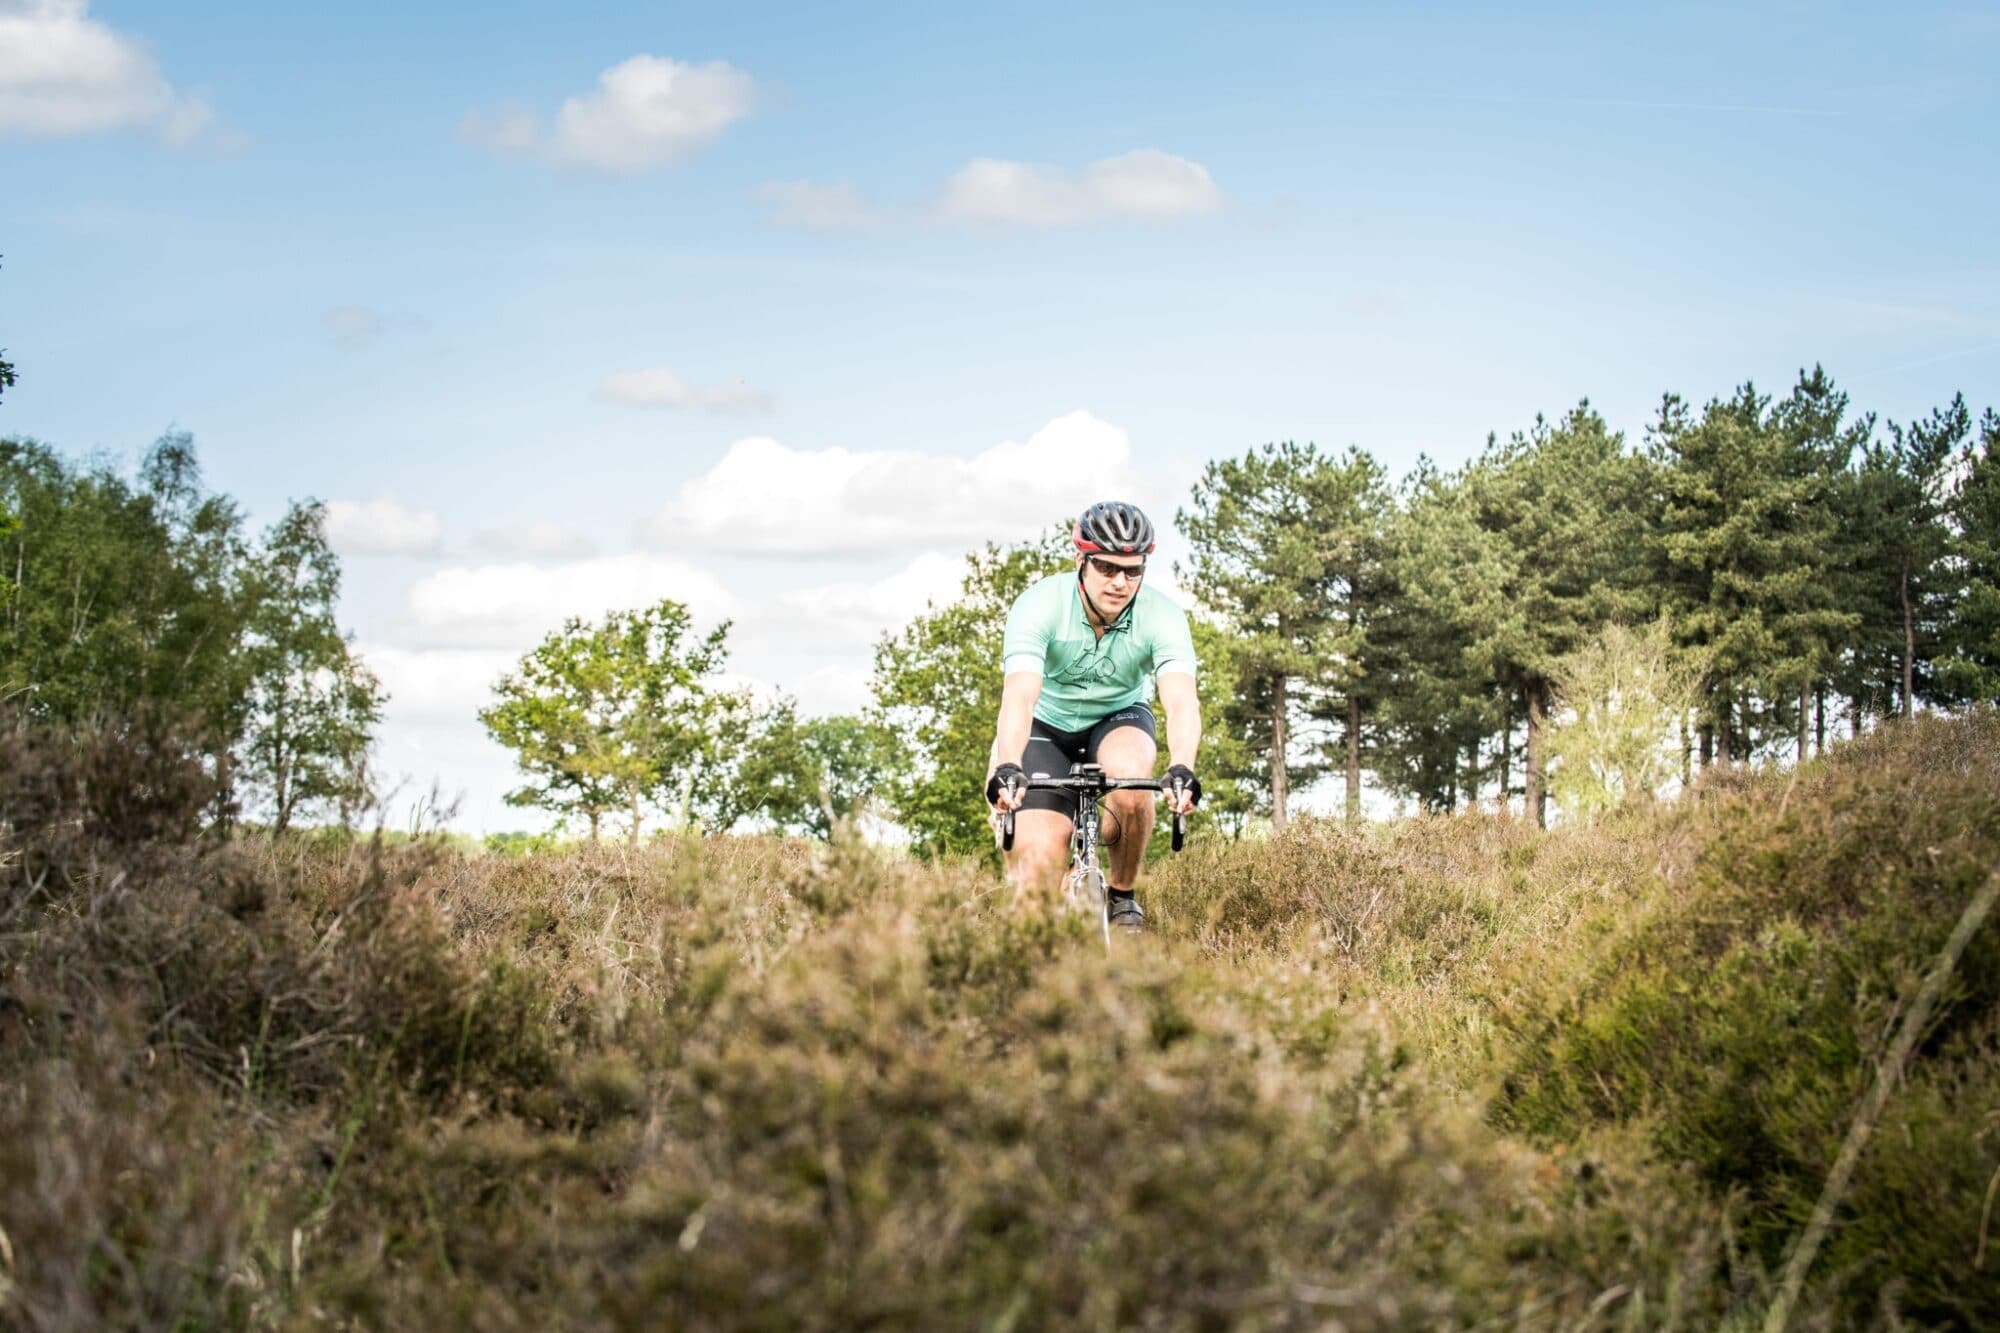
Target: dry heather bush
1742	1022
873	1096
1454	925
760	1083
183	998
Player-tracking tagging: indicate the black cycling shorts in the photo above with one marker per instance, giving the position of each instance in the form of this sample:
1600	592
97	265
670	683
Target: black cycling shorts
1052	750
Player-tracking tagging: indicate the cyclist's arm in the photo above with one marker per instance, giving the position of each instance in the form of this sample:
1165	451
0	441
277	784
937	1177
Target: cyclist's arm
1017	718
1177	696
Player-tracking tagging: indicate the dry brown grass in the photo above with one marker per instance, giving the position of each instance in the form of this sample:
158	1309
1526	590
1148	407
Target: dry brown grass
762	1083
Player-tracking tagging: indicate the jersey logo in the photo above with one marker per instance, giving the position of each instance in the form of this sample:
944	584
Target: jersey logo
1086	668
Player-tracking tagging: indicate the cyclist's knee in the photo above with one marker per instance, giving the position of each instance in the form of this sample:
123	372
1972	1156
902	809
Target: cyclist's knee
1040	841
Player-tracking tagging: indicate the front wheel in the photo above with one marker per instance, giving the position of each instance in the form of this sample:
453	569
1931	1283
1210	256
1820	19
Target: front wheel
1090	889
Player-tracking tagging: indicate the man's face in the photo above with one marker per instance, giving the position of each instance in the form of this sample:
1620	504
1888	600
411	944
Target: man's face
1112	580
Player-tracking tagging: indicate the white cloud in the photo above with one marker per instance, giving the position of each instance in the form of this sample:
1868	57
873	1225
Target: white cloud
383	526
514	604
63	73
660	387
1143	185
435	684
537	541
855	614
764	498
813	207
645	112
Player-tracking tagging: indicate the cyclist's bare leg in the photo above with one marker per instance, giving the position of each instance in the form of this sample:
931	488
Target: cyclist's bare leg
1040	857
1127	752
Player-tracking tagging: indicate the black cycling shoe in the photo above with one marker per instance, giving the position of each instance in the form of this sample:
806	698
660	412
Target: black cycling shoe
1126	914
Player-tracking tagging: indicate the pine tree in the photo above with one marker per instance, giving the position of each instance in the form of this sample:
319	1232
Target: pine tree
1968	668
1440	703
1358	590
1747	546
1266	531
1539	544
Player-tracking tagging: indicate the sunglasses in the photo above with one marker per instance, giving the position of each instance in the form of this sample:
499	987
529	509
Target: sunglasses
1111	569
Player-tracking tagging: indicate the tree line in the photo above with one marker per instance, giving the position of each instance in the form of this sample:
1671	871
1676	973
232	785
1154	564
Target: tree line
1750	577
125	598
1567	612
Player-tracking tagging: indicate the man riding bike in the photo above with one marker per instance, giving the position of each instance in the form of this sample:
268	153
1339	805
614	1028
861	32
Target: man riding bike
1078	653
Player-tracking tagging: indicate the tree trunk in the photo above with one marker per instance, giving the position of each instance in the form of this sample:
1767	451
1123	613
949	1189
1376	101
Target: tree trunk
1505	802
1819	718
1805	709
593	823
1278	792
1707	744
225	777
282	797
1534	797
1854	715
635	814
1909	642
1353	758
1687	751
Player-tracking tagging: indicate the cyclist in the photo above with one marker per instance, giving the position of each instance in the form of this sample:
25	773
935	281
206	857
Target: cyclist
1078	653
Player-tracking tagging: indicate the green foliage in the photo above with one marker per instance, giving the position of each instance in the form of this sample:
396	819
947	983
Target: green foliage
312	704
1558	519
123	593
519	843
145	595
615	715
1285	554
1234	773
806	775
1625	697
936	692
1440	706
1741	1020
1750	557
1970	667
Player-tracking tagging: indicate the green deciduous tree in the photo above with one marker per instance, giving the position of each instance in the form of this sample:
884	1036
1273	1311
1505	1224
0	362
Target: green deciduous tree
807	775
936	691
123	593
1235	775
312	704
616	715
1622	697
144	594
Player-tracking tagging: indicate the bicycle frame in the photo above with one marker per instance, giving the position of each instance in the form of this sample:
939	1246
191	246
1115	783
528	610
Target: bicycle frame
1091	786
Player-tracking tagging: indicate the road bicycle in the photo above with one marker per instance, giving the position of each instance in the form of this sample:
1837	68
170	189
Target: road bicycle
1086	883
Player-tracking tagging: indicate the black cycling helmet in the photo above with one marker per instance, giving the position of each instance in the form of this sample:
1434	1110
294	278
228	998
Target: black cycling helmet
1114	527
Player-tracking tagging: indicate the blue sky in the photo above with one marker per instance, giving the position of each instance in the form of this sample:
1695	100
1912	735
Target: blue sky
299	232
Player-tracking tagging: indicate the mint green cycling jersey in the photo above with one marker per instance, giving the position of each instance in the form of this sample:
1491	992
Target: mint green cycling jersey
1085	677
